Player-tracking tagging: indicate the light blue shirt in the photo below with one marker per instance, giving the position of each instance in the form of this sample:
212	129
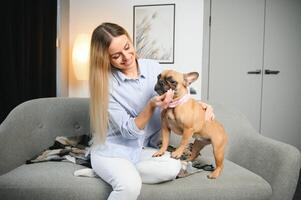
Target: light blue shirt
128	97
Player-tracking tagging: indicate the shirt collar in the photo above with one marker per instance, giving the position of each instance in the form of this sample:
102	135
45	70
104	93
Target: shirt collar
142	69
122	77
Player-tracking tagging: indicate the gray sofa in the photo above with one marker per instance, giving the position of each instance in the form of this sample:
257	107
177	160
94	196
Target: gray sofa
256	167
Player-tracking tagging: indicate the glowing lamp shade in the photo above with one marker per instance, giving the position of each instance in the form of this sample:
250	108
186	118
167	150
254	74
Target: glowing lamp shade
80	56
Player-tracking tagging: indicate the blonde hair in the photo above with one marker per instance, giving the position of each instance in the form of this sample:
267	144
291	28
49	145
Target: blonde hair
100	70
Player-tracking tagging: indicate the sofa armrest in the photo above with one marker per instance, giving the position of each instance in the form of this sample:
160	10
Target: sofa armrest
32	127
16	144
276	162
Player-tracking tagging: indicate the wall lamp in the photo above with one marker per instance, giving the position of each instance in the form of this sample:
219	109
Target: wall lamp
80	56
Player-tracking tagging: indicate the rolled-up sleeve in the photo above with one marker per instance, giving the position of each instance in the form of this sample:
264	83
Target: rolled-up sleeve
121	122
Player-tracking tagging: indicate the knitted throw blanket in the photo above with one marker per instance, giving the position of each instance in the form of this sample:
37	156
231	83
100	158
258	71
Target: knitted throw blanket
75	149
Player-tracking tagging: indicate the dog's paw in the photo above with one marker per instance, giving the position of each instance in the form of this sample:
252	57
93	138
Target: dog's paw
177	154
214	174
211	176
158	153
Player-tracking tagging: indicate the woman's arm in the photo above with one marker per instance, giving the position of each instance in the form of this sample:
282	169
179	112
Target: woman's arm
132	127
144	116
157	101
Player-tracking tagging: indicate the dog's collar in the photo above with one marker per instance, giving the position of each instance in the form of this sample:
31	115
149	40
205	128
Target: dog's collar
180	101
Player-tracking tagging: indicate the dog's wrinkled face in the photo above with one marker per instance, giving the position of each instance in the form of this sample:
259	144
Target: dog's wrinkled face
170	79
167	80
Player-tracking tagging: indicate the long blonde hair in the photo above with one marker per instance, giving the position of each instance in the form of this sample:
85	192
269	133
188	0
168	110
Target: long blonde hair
100	70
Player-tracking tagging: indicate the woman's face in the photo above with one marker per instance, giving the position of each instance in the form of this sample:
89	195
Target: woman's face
122	53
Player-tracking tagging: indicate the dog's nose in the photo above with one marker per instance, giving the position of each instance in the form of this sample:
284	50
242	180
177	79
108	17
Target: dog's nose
158	89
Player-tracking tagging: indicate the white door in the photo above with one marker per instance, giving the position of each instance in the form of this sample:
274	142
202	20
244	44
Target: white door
281	102
236	48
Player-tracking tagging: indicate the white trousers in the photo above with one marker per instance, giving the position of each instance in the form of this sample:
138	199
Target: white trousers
126	178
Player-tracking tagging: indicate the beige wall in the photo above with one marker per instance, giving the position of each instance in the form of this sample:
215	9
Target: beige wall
86	15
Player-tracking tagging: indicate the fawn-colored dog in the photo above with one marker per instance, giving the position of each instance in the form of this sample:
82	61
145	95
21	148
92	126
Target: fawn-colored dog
186	117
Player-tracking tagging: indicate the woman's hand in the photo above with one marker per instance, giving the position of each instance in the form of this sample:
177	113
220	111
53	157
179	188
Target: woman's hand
209	115
144	116
163	100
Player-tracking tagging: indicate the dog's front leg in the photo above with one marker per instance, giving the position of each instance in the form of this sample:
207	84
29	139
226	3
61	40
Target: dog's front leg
165	132
187	134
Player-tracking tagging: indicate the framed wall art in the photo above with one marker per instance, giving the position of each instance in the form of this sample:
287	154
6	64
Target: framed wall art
154	32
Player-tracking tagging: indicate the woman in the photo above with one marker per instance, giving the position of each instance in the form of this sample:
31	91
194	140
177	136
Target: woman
125	115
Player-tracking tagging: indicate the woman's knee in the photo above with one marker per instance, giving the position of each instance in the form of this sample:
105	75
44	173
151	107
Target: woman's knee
172	169
175	167
154	171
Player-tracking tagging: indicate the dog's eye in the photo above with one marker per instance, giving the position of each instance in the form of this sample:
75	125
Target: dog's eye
172	81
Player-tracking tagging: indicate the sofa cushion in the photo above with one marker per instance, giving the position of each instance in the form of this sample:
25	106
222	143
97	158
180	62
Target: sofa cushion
50	180
55	180
235	183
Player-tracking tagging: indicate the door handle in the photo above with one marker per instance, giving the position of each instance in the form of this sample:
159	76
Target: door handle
268	71
258	71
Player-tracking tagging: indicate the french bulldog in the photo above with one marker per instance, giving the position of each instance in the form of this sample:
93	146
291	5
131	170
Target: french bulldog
185	116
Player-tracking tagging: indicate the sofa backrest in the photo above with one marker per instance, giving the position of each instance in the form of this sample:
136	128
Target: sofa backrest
32	127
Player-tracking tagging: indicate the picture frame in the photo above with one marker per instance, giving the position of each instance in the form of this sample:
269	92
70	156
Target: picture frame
154	32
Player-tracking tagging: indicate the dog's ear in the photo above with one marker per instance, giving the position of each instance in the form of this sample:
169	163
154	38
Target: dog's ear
190	77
